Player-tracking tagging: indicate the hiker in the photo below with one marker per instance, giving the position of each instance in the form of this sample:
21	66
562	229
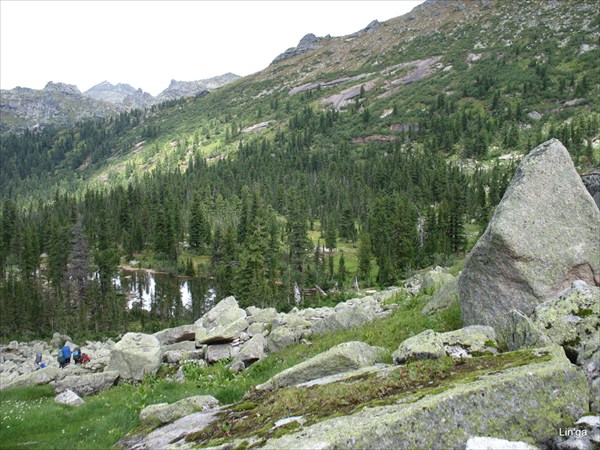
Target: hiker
77	355
85	358
64	357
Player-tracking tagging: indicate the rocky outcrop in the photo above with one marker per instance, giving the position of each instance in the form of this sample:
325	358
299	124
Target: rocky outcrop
135	356
542	236
163	437
341	358
182	89
520	403
307	43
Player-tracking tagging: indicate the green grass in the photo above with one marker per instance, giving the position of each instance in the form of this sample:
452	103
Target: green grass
31	419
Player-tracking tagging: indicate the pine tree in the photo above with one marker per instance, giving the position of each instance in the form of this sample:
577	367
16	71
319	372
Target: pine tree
364	257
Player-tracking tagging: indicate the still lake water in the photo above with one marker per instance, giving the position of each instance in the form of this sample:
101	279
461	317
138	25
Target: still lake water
160	292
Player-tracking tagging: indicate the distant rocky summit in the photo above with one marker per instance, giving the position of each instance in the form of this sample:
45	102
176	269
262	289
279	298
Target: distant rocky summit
120	94
63	104
57	104
181	89
306	44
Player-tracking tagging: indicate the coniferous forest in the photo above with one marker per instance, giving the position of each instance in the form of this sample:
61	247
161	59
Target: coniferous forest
317	200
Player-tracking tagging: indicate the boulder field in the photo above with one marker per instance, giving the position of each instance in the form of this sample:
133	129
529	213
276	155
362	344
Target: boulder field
522	373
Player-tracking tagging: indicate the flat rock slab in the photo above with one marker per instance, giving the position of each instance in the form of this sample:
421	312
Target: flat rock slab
88	384
521	403
163	437
341	358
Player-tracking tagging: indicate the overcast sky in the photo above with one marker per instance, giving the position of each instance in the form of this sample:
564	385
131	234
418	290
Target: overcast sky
148	43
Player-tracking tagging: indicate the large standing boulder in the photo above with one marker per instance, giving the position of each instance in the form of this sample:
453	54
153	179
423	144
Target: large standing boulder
136	355
542	236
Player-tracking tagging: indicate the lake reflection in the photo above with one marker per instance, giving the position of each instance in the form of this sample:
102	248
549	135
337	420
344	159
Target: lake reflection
164	294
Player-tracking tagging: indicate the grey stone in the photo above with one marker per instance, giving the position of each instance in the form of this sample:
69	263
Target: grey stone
474	338
42	376
543	236
177	334
425	345
135	356
444	298
222	332
224	313
521	332
572	320
591	182
69	398
218	352
89	384
341	358
436	278
170	434
165	412
284	336
347	317
252	350
181	356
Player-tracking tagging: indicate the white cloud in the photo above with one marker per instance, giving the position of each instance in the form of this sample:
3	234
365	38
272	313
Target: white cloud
148	43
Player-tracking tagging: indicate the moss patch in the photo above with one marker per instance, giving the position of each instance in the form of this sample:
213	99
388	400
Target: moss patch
257	414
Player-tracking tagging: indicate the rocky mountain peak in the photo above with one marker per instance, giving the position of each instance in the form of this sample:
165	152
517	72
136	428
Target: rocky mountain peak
62	88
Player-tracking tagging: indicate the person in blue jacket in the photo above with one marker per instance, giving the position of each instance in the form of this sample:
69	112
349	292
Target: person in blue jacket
65	353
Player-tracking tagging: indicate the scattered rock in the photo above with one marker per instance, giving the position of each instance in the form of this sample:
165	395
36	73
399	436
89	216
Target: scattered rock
425	345
69	397
177	334
252	350
135	356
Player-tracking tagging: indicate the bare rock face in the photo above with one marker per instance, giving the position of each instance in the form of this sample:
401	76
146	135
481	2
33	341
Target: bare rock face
542	237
